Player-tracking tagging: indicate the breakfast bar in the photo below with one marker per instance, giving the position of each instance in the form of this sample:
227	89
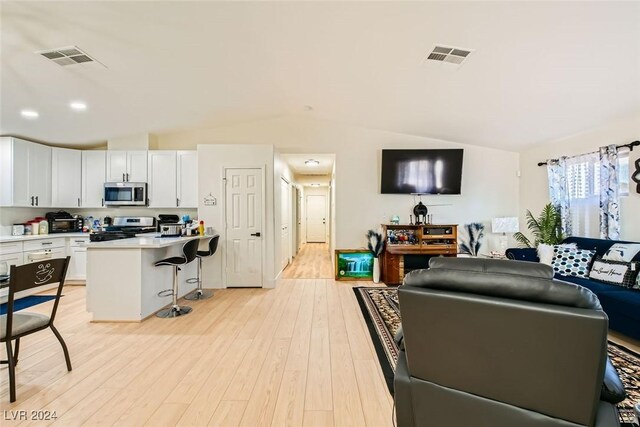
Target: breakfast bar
123	283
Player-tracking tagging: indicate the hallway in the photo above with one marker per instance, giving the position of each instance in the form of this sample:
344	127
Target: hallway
312	262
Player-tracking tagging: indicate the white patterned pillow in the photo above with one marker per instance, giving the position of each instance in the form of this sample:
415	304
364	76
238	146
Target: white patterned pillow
572	262
614	272
622	252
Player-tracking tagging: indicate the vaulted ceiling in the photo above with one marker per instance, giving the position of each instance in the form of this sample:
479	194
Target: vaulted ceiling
537	71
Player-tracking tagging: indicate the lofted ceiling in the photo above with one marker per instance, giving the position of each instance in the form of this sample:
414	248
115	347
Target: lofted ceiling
538	70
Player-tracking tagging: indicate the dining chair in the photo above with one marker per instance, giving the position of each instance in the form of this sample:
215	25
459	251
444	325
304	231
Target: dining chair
15	325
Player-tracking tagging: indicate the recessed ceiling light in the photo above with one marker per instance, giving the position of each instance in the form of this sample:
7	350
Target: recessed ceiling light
311	162
29	114
78	106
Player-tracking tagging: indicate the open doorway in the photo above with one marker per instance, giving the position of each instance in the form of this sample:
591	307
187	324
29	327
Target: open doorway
311	213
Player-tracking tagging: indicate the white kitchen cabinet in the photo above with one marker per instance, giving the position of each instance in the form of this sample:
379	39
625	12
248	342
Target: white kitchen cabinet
10	259
187	177
66	166
94	174
162	191
129	166
25	173
78	264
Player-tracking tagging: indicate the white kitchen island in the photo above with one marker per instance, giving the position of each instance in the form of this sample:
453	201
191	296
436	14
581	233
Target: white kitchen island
123	282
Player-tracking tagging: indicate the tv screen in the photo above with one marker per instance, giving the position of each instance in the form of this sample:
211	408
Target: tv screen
421	171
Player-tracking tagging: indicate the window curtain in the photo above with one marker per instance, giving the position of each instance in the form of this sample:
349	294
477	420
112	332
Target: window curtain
609	186
585	189
556	172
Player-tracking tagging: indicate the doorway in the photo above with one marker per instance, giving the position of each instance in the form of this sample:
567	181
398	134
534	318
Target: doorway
244	195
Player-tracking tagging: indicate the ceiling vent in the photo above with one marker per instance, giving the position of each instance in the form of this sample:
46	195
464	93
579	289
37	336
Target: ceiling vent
451	55
67	56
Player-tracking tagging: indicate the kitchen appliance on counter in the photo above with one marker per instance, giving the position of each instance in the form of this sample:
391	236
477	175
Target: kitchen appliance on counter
168	225
125	227
63	222
125	194
17	230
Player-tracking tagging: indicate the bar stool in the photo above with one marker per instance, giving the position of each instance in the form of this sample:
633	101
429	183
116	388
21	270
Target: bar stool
200	293
189	252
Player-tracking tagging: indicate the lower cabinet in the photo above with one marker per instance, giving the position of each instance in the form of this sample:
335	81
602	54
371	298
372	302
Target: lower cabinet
78	264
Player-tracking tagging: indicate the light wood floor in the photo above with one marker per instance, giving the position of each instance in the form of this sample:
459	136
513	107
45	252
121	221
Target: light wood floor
296	355
312	262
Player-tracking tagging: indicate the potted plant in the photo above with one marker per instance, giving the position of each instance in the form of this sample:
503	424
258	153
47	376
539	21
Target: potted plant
376	246
547	228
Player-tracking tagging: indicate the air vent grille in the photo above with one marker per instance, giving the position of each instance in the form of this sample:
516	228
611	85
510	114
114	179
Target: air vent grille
451	55
70	55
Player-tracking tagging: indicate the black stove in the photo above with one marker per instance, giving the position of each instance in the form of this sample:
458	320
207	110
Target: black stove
125	228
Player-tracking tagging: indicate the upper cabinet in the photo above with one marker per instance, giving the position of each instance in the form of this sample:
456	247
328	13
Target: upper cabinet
162	179
173	179
187	174
25	172
65	177
128	166
94	173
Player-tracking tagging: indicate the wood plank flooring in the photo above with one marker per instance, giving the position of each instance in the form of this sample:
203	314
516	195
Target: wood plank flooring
296	355
313	261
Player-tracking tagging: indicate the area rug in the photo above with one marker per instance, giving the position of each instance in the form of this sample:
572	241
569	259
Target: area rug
381	312
26	302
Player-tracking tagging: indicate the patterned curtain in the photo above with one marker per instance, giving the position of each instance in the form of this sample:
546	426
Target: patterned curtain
609	207
558	192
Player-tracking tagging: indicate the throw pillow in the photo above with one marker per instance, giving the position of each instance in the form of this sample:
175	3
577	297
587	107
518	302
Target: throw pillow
572	262
615	272
622	252
637	285
545	252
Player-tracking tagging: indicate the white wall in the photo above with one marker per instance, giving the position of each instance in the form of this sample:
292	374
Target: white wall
490	186
534	192
212	159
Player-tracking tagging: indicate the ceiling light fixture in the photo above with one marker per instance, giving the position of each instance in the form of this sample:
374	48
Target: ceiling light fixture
29	114
311	162
315	185
78	106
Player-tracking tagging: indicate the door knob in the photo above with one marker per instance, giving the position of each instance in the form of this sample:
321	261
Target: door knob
256	234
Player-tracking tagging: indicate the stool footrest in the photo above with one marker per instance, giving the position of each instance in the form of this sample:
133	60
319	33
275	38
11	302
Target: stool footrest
166	293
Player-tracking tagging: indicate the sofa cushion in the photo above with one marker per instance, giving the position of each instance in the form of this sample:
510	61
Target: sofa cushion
627	302
519	280
599	245
572	262
592	285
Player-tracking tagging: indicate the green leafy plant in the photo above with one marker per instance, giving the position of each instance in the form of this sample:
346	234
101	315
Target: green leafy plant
547	228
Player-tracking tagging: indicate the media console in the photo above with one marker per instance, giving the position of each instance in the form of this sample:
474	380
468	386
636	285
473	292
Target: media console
409	247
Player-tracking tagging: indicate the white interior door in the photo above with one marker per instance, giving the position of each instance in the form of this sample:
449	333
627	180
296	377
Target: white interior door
285	240
316	218
243	246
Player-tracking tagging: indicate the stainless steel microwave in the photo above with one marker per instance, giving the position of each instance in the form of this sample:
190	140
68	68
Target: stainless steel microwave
125	194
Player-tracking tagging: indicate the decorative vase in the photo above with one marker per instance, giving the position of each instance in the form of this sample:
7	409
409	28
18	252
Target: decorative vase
376	270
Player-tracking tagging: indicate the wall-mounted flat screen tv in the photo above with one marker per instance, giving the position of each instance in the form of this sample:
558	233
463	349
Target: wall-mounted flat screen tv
421	171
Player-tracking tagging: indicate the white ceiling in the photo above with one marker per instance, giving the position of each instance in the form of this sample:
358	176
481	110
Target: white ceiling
539	70
297	165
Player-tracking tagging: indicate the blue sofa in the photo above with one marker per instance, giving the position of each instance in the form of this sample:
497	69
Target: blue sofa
622	305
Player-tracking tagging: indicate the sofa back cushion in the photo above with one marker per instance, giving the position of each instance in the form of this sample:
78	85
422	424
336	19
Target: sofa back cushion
508	279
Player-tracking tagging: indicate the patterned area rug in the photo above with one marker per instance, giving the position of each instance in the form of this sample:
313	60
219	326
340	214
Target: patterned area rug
381	312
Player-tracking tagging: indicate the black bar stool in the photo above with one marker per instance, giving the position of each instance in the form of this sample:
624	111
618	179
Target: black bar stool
189	252
200	293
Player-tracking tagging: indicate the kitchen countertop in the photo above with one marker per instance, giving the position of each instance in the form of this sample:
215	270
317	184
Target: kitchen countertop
9	239
142	242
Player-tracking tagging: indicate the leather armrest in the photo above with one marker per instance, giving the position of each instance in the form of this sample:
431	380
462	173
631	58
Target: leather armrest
398	338
612	387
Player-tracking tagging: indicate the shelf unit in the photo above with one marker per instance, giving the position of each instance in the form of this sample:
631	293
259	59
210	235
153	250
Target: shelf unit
424	240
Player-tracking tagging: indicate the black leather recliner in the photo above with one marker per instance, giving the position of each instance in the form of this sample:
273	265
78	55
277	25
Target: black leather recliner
499	343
